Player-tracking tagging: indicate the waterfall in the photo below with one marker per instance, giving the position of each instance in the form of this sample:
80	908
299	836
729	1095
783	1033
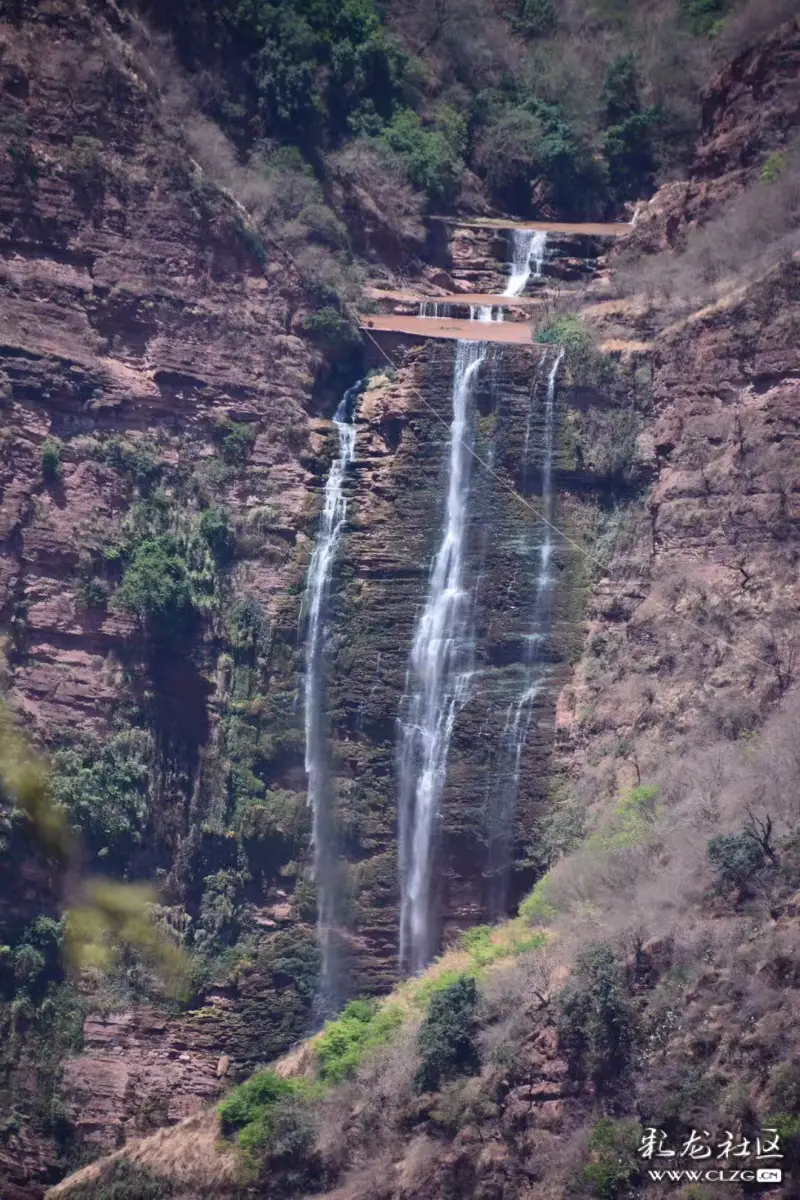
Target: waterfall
434	308
437	680
518	716
527	258
526	443
331	527
484	312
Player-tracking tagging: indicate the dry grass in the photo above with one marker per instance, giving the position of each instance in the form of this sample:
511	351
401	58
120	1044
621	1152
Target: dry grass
189	1155
753	21
754	231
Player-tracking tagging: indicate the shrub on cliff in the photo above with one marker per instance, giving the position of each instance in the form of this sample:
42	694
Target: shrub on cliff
703	16
361	1026
614	1167
572	334
331	329
736	859
51	460
273	1122
216	530
508	154
220	919
236	441
156	589
628	140
596	1026
131	459
533	140
105	791
430	154
536	18
447	1035
253	1101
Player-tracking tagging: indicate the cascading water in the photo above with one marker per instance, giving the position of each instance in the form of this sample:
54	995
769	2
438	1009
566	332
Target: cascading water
438	679
315	604
528	248
484	312
518	717
434	308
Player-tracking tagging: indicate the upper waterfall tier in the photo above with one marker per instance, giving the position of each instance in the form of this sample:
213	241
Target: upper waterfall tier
528	249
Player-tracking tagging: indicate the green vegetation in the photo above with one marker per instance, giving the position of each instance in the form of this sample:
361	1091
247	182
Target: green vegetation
736	859
216	529
87	169
104	788
309	73
704	16
156	589
19	150
81	922
536	18
787	1127
536	908
511	97
34	961
431	154
91	594
254	1101
221	908
628	141
272	1116
331	329
630	823
597	1026
124	1180
614	1166
132	460
577	340
237	439
447	1035
51	460
772	168
361	1026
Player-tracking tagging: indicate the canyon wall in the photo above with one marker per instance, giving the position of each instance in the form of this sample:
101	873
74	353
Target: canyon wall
152	348
146	329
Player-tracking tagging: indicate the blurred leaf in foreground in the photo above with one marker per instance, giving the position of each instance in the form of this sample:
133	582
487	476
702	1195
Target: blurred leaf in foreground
103	917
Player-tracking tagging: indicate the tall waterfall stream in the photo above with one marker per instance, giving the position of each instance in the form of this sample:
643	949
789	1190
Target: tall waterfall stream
438	677
441	661
323	559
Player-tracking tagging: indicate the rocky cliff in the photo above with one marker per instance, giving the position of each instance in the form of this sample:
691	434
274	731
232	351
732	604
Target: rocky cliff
153	371
142	326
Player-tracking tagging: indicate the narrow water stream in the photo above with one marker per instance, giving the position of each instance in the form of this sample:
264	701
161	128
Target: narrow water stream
315	604
520	710
528	249
438	678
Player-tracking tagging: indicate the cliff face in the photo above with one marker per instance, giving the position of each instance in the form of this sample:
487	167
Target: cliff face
692	631
150	356
147	331
749	111
141	326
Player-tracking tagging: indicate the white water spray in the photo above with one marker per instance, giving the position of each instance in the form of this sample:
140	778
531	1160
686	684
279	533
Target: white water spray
320	570
484	312
437	681
520	712
434	308
527	259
